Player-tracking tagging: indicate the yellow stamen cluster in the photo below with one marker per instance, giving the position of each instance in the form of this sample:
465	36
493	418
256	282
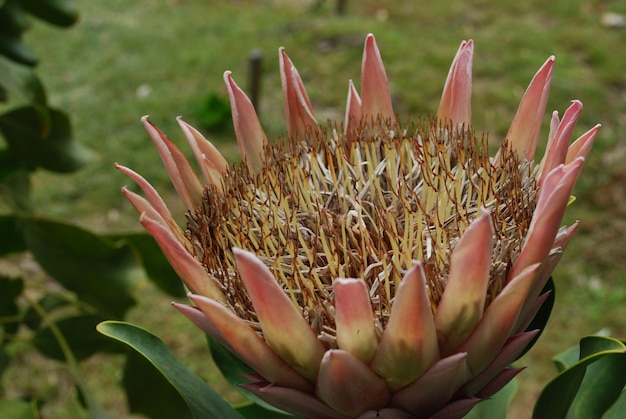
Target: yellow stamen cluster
324	208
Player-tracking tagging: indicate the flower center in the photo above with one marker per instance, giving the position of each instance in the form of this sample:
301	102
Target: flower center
323	208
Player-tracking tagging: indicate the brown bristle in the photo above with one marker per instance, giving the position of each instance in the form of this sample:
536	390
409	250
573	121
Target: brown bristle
322	208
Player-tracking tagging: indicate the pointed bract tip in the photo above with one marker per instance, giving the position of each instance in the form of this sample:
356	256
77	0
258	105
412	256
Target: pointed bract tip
523	133
209	159
557	150
375	96
582	146
456	99
282	55
238	252
250	135
187	184
299	115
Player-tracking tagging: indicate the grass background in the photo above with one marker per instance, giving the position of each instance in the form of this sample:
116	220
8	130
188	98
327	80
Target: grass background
127	58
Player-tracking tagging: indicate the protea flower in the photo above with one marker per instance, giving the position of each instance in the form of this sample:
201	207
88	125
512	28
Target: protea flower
369	269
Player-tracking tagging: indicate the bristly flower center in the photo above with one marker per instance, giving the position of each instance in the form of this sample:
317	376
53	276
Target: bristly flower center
321	209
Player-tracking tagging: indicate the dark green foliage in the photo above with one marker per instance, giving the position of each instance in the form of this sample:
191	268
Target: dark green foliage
42	137
213	113
157	267
95	278
543	315
200	398
148	391
590	384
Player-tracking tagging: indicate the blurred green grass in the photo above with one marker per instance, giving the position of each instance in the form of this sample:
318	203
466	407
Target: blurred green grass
129	58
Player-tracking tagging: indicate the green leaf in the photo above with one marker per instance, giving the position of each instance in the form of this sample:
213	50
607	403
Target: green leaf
13	48
56	12
21	83
541	318
162	401
42	137
603	384
18	409
234	370
566	358
102	273
8	165
15	187
231	367
48	303
591	345
13	18
201	399
588	387
10	289
157	267
617	410
213	113
497	407
11	239
80	334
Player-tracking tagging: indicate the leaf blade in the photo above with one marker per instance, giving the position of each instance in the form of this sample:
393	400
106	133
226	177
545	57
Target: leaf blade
200	398
562	395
